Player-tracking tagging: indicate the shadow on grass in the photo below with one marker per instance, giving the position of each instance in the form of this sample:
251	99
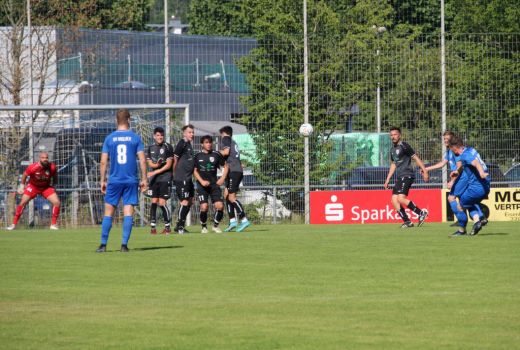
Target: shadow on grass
493	234
160	247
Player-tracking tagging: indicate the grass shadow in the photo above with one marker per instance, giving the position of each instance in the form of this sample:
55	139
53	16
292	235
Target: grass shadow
159	247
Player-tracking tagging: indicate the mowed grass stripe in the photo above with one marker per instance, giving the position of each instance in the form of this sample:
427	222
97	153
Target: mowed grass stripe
272	287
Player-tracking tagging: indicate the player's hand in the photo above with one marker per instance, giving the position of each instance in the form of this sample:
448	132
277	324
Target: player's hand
150	174
104	187
426	176
143	185
454	174
205	183
220	181
386	185
20	189
484	175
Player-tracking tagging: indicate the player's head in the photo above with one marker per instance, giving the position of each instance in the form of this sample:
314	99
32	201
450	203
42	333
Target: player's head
447	136
395	134
456	145
188	131
123	117
206	142
158	135
226	131
44	158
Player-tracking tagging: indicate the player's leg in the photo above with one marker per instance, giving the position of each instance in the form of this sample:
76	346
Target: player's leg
19	209
235	179
112	196
130	199
51	195
396	202
231	211
460	213
153	213
167	216
218	205
452	201
204	207
185	193
421	213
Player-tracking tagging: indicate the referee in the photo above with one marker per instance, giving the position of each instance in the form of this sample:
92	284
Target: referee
159	157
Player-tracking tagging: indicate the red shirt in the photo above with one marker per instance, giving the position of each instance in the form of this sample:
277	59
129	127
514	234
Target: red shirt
40	176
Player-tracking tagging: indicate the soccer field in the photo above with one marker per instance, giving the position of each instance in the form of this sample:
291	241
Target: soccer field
272	287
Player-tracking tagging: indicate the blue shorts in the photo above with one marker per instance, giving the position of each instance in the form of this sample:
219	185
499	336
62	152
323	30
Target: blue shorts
472	195
116	191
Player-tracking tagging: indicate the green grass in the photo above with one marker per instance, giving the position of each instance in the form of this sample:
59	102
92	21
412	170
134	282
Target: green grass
272	287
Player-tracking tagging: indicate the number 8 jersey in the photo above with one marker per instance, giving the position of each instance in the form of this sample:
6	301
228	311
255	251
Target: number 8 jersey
122	147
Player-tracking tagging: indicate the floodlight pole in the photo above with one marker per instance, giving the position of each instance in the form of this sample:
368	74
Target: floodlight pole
443	90
306	114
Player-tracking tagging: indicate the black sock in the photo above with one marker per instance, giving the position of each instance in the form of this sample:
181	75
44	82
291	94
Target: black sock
203	217
414	208
166	214
230	209
183	214
153	214
403	215
219	215
240	209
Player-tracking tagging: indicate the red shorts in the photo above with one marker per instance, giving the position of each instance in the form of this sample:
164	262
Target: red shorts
32	191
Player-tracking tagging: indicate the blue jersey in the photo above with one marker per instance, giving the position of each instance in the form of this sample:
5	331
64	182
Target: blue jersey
122	147
451	159
473	177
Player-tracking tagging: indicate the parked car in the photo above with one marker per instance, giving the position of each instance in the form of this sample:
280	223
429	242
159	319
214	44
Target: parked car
512	175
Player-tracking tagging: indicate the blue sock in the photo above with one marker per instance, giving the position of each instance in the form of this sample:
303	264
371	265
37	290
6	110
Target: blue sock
106	225
128	222
477	210
462	218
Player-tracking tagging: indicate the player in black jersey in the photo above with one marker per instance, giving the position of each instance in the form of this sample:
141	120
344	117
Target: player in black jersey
183	169
402	154
159	157
207	163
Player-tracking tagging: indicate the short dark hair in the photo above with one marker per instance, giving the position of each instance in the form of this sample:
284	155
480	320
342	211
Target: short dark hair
158	130
188	126
448	133
122	116
226	130
206	138
456	141
392	128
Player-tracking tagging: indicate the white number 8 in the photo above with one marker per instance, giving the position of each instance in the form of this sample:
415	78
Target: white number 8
121	154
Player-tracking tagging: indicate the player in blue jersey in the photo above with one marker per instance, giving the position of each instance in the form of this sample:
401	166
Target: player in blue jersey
473	186
123	149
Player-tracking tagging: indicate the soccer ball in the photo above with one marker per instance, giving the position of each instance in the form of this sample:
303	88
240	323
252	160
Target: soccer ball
306	129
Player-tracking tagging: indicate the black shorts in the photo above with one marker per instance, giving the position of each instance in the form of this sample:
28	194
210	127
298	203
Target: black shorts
184	189
402	185
213	191
233	181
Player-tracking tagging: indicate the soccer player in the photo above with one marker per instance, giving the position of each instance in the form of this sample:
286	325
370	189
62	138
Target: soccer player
473	190
183	165
207	162
159	157
123	149
231	153
402	154
41	174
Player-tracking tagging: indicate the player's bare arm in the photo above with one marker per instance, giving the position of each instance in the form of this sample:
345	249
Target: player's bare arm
224	152
199	178
142	164
391	172
222	178
480	169
21	187
164	169
102	172
420	163
437	165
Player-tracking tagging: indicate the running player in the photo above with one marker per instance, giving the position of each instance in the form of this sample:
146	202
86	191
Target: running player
41	175
183	169
159	157
402	154
231	153
207	163
123	149
475	188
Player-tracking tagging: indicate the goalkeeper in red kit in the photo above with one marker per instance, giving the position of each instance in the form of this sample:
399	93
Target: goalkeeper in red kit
41	174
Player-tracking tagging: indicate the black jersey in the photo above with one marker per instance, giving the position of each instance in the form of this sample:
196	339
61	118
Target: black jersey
233	159
161	153
207	164
184	154
401	155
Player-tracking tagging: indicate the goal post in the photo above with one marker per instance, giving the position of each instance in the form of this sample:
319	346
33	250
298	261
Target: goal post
73	136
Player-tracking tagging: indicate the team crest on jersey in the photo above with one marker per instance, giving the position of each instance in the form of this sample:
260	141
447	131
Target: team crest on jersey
397	151
211	159
161	151
47	172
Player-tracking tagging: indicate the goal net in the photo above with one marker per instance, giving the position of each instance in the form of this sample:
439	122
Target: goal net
73	138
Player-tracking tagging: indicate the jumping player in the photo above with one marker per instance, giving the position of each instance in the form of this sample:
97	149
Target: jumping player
207	163
402	154
123	149
41	174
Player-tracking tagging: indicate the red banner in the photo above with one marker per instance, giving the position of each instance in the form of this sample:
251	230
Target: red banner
369	207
